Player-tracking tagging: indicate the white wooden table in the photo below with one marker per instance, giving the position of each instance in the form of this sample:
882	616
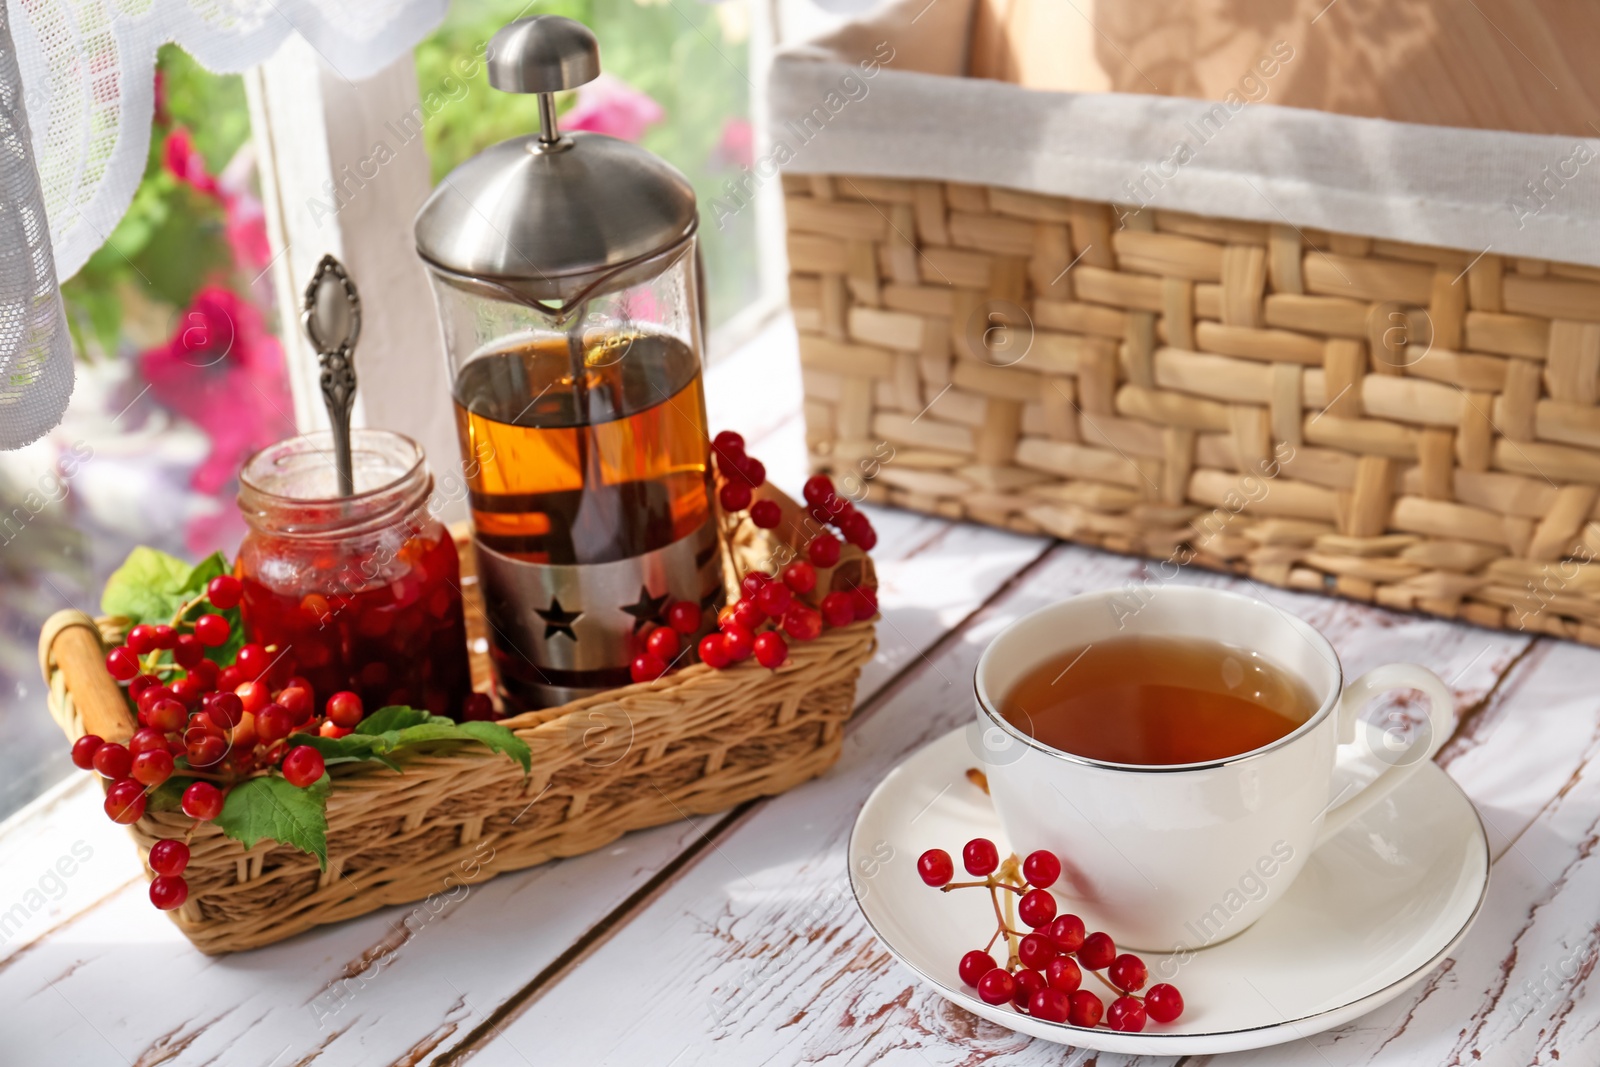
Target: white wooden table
733	939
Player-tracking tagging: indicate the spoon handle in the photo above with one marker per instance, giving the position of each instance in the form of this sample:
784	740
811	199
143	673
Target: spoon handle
339	396
330	315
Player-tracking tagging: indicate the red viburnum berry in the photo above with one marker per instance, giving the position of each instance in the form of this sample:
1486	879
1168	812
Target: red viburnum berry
1051	1005
714	651
800	576
344	708
980	857
818	487
302	766
802	623
1128	973
113	760
839	609
1084	1008
122	663
737	641
169	857
125	801
1098	951
202	801
1126	1014
168	892
142	639
684	616
212	630
974	965
824	549
1041	869
224	591
935	867
771	650
1163	1002
734	496
766	514
83	750
997	986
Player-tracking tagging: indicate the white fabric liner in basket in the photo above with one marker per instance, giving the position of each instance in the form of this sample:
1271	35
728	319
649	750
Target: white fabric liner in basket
917	117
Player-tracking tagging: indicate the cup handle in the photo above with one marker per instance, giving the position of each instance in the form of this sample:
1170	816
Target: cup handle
1408	756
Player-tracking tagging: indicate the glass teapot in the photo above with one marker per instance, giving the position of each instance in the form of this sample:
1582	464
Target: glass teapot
566	271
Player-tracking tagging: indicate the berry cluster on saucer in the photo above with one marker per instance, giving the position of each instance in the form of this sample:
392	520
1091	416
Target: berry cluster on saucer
1044	968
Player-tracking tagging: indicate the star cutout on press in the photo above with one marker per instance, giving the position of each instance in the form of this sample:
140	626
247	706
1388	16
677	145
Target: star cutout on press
647	608
558	621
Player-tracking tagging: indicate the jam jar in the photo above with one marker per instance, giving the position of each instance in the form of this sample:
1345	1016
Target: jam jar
361	592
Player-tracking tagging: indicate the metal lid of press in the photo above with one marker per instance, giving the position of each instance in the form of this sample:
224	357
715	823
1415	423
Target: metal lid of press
552	216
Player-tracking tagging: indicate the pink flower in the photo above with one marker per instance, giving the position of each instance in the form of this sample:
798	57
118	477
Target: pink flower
736	146
246	230
186	163
611	106
222	370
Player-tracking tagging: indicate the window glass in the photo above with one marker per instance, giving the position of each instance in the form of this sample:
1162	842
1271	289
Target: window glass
179	376
675	80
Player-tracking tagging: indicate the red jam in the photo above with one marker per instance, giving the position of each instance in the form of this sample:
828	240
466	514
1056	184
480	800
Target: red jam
362	593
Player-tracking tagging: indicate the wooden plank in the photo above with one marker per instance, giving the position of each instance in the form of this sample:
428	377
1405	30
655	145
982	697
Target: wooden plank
758	954
380	989
1517	990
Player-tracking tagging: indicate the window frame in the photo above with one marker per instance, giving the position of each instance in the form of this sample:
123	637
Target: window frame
317	131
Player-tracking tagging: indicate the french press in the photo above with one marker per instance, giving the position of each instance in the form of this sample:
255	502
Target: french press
566	273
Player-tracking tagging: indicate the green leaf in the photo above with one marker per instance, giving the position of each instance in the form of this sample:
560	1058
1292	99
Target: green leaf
168	796
437	728
500	739
393	717
148	587
351	748
203	572
269	807
151	586
397	726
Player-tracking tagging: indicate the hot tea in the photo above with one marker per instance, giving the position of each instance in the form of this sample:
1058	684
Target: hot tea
589	456
1157	701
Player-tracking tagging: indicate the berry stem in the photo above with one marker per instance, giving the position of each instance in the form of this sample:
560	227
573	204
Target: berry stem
1107	983
184	609
1005	927
215	776
990	882
1010	870
149	662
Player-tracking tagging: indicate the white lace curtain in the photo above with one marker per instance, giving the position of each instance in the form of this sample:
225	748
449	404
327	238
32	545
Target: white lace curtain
76	99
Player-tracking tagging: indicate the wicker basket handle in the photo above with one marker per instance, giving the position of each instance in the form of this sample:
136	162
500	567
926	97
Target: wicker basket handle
70	643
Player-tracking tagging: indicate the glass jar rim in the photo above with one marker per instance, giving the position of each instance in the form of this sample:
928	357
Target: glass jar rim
391	476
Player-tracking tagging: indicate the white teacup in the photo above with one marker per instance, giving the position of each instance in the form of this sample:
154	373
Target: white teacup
1174	858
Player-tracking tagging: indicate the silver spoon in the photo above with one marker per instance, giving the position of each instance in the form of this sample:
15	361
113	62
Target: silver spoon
330	315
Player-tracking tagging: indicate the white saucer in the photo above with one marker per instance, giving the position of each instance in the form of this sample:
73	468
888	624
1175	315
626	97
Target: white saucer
1373	912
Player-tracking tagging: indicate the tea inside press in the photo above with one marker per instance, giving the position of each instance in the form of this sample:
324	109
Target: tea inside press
566	270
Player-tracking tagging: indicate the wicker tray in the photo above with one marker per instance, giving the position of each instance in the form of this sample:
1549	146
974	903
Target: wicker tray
695	742
1415	427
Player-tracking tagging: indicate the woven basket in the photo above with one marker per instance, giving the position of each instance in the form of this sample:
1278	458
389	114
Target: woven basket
695	742
1415	427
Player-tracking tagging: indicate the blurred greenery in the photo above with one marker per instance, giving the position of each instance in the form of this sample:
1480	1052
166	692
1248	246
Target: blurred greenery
692	58
171	240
